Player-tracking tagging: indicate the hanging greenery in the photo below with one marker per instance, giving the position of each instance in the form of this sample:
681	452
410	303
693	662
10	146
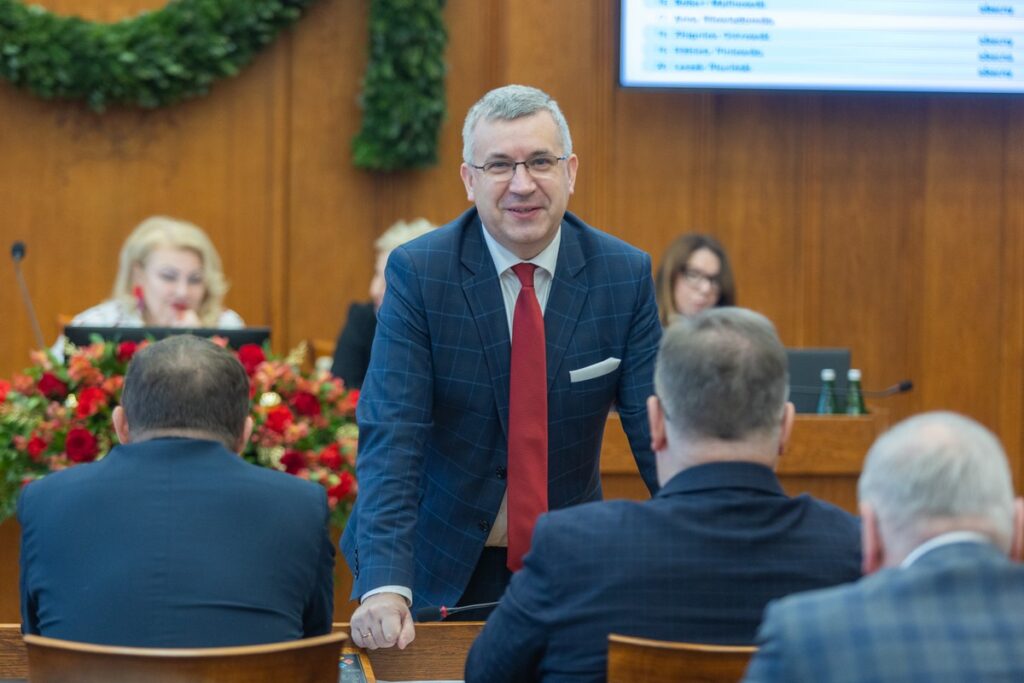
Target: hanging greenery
403	91
153	59
177	52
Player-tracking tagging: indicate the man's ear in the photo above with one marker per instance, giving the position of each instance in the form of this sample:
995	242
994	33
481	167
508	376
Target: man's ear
120	425
467	179
244	438
656	419
1017	539
788	418
872	547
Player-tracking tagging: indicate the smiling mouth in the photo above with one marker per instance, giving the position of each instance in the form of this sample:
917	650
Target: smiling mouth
522	210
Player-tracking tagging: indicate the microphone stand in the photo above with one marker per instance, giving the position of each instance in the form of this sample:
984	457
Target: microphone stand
17	254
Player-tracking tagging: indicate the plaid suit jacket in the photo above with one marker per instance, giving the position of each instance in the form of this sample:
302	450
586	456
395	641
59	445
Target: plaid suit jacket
433	412
697	562
956	614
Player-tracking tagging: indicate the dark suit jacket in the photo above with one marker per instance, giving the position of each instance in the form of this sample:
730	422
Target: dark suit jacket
698	562
175	543
352	351
956	614
433	412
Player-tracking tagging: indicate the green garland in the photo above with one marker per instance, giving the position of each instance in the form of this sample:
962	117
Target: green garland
151	60
403	92
177	52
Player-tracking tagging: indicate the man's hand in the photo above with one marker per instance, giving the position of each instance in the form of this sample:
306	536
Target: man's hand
382	620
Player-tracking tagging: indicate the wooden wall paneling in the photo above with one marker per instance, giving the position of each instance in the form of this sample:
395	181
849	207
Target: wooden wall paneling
757	161
1011	376
962	286
659	186
333	208
867	233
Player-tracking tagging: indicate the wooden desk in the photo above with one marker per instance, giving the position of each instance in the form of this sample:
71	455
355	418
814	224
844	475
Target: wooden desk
823	458
439	652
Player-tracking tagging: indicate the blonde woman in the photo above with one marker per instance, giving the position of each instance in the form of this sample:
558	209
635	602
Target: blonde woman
169	276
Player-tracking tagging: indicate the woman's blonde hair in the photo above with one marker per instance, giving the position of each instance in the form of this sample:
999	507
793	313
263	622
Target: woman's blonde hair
161	231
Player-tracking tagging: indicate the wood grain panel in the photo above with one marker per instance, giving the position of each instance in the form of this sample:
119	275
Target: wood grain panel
863	233
962	284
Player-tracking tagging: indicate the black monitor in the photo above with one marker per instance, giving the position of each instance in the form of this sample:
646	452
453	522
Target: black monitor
805	366
81	335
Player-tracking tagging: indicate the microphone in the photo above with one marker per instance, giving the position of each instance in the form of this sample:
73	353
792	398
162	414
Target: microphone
898	388
17	255
428	614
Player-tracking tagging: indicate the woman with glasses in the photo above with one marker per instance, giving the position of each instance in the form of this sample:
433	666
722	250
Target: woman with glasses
694	275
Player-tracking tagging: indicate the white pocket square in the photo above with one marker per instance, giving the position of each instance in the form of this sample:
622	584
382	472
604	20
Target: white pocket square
595	370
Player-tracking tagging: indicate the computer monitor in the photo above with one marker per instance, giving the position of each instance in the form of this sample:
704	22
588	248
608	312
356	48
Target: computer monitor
81	335
805	366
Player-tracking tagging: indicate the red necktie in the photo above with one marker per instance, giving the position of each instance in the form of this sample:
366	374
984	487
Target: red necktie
527	420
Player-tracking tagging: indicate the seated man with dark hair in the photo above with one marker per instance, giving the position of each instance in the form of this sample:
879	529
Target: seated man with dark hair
700	560
172	540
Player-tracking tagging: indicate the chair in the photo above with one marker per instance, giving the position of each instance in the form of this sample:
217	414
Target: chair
640	660
312	660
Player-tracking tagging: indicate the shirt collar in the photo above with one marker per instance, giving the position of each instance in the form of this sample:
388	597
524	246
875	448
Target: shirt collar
941	540
505	259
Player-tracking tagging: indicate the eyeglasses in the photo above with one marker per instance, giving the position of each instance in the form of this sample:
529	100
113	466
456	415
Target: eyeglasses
697	279
539	166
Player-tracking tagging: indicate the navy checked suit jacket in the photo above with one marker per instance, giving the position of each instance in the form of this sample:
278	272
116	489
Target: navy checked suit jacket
433	411
956	614
175	543
698	562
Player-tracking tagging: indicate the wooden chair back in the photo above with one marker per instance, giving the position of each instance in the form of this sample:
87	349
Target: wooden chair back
312	660
641	660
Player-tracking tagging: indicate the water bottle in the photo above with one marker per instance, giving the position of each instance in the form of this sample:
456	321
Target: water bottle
827	397
854	395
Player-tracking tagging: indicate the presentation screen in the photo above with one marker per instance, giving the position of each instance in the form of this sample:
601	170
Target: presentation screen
937	46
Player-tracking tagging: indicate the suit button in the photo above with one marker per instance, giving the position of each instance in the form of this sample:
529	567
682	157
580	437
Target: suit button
501	471
484	526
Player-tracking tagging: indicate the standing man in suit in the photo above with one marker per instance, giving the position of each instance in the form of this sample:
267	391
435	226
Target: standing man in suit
502	342
172	540
944	601
700	560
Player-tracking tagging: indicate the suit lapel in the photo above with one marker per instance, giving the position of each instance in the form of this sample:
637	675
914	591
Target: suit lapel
568	292
483	292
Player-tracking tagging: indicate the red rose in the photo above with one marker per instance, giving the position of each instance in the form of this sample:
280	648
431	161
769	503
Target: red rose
306	404
293	461
125	350
250	356
90	400
5	387
51	387
36	446
330	457
81	445
348	402
279	418
343	487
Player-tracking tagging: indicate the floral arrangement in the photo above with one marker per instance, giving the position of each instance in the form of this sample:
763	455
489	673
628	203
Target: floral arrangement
57	415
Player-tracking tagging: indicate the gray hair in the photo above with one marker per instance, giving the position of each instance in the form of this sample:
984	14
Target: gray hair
722	374
508	103
402	232
938	472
